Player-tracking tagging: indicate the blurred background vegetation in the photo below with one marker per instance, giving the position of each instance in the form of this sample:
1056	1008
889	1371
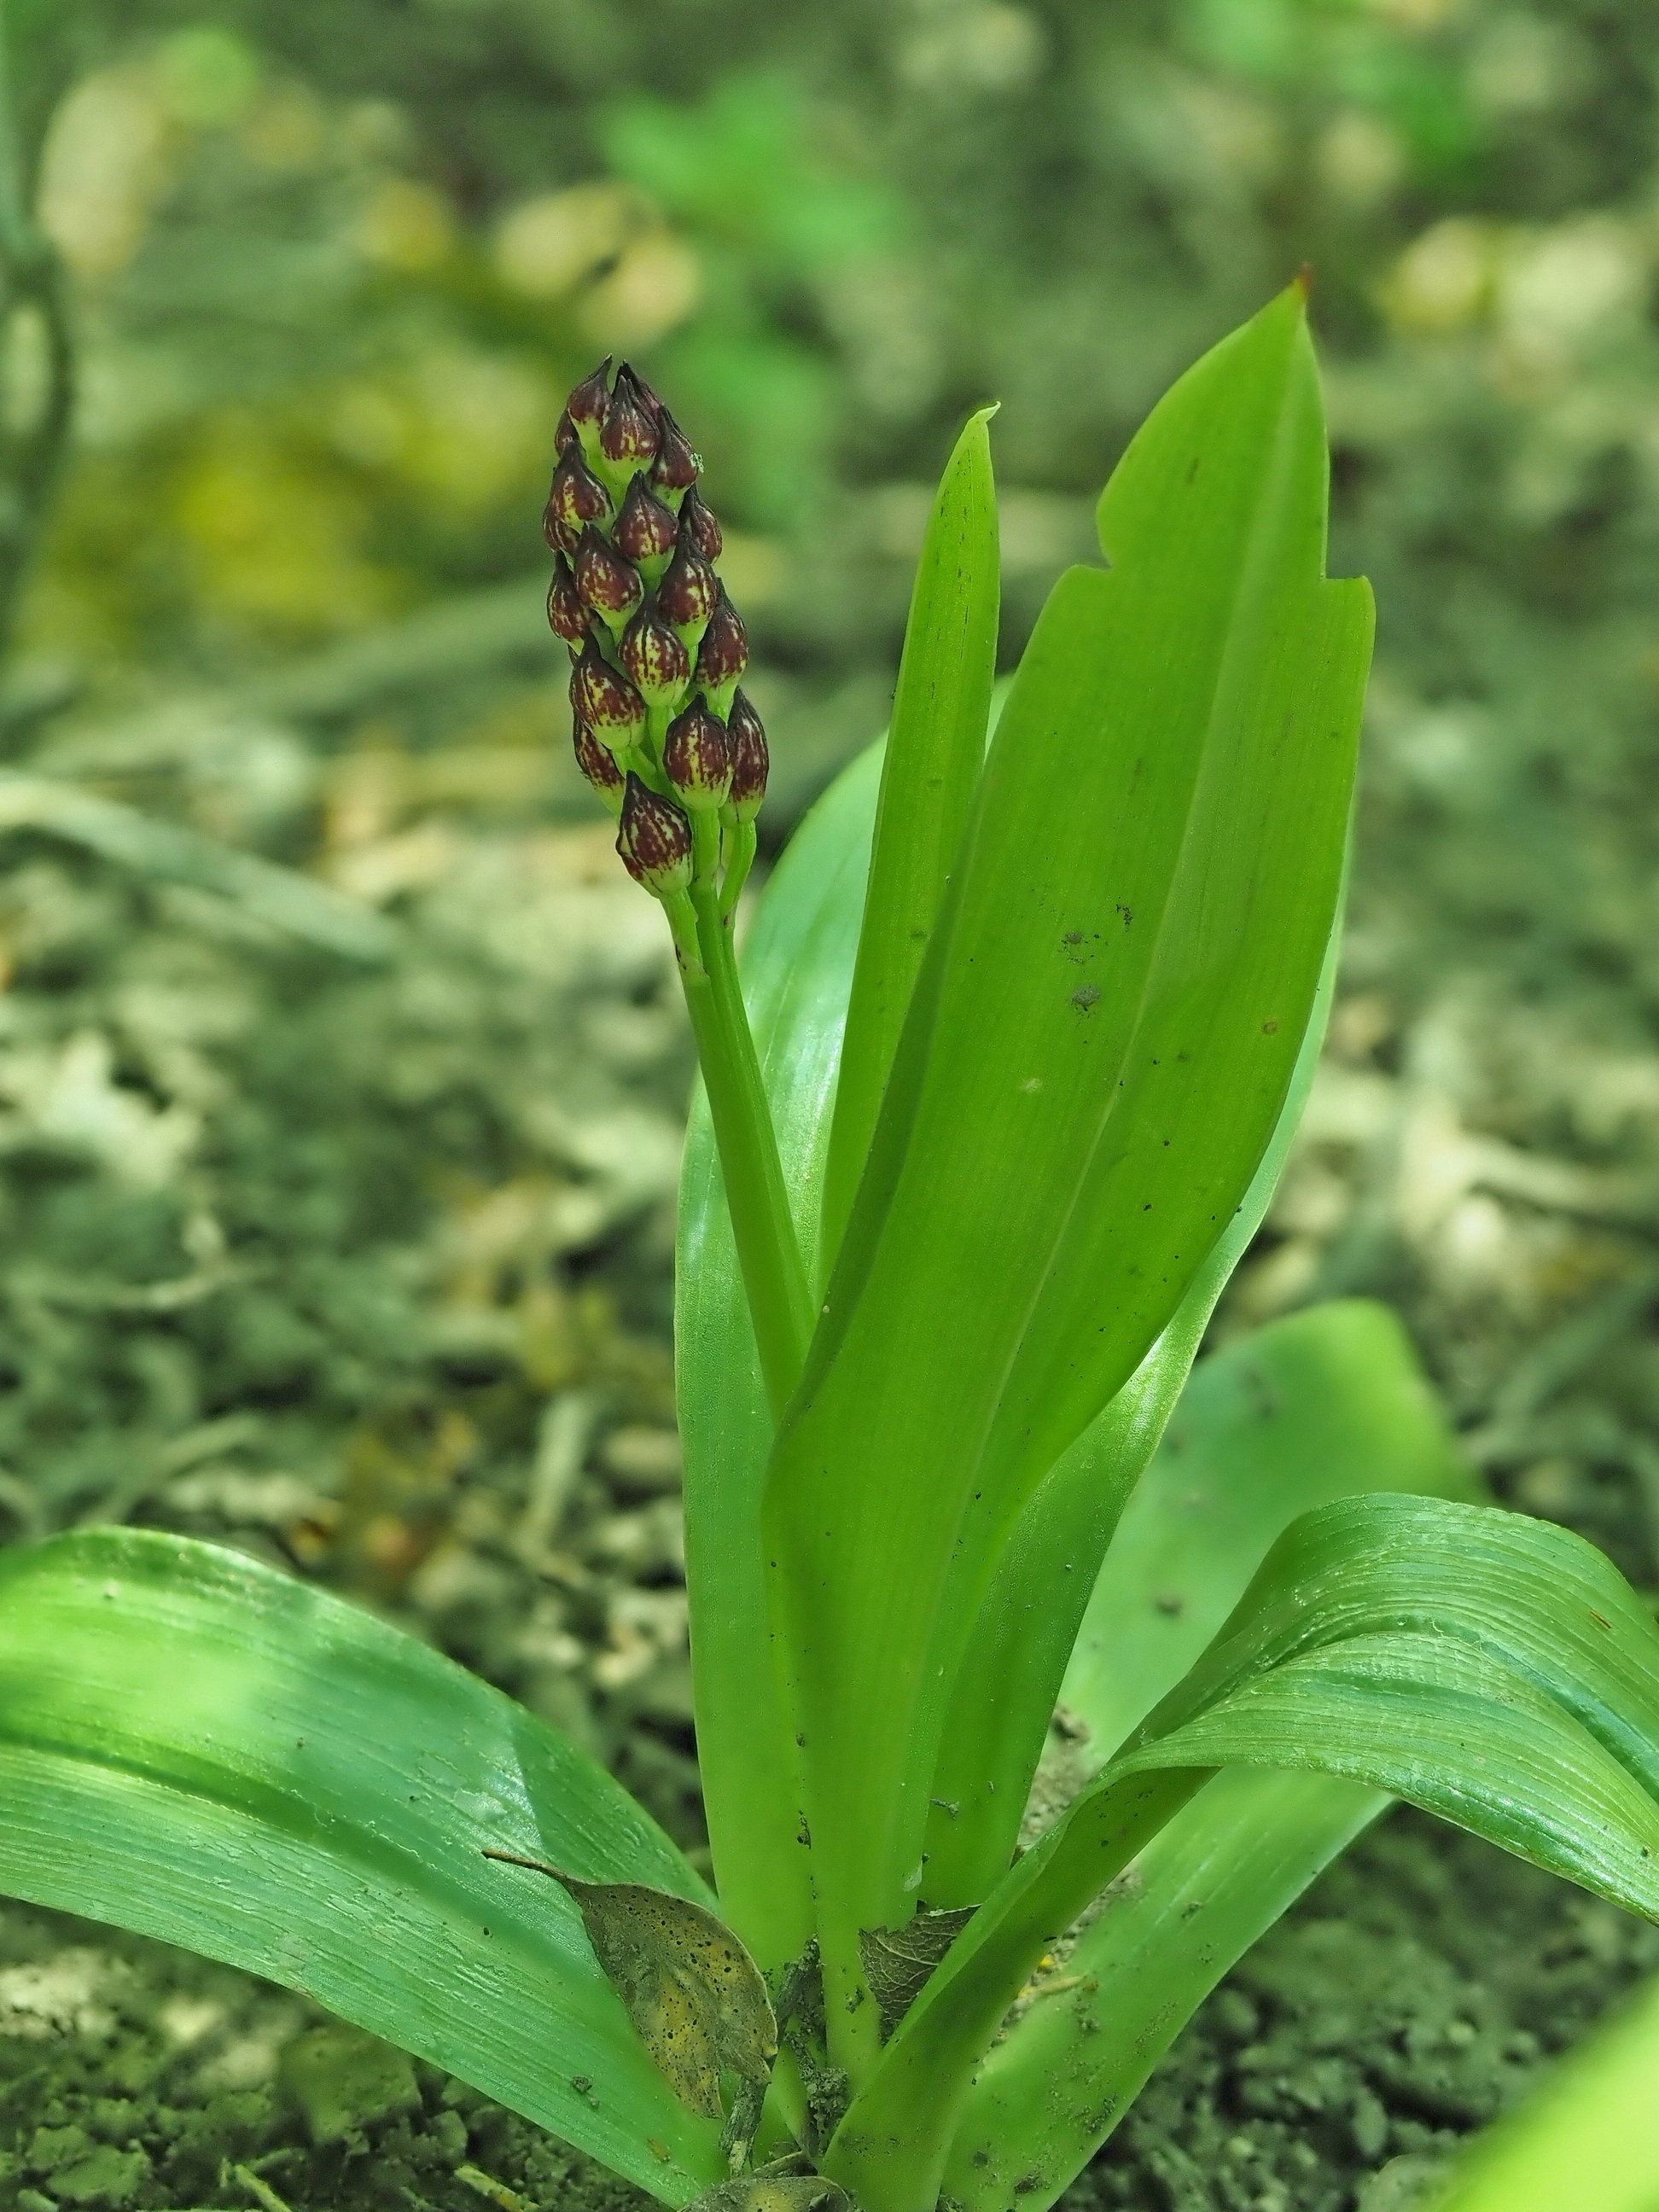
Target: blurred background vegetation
340	1072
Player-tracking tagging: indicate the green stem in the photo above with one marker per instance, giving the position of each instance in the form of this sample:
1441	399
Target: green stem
780	1303
741	841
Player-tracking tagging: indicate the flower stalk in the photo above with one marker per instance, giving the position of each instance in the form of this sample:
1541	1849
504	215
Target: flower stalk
672	747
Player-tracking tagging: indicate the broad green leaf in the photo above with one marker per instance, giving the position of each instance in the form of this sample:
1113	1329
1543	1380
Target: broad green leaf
206	1751
1028	1622
1586	2138
692	1991
798	971
1204	1889
1326	1404
1495	1670
1101	1041
1283	1419
935	746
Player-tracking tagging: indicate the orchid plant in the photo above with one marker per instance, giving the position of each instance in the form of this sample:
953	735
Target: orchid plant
1036	1671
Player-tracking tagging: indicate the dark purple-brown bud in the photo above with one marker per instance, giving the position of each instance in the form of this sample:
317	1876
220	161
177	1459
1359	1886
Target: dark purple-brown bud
648	397
678	464
565	434
698	524
575	498
724	654
645	528
745	736
567	614
604	580
656	660
604	699
654	840
696	757
598	765
689	591
585	405
627	435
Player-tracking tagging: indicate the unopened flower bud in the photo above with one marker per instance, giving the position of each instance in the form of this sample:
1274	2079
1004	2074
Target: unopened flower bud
724	654
687	594
567	612
604	580
645	528
564	434
598	765
585	405
656	660
678	464
604	699
575	498
654	840
696	757
746	739
698	524
628	434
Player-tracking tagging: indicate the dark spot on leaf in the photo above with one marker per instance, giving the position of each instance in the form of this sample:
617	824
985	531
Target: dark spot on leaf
693	1993
1087	996
898	1962
1269	1028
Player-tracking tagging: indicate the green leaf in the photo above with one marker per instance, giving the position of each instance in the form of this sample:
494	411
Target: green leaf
1100	1045
1495	1670
935	747
1029	1621
1320	1403
1325	1404
798	971
692	1991
1204	1889
211	1752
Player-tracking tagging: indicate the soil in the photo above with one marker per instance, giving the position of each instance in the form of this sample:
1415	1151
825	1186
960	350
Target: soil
1415	1993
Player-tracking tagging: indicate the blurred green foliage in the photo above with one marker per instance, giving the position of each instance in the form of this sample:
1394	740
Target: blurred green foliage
273	1208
